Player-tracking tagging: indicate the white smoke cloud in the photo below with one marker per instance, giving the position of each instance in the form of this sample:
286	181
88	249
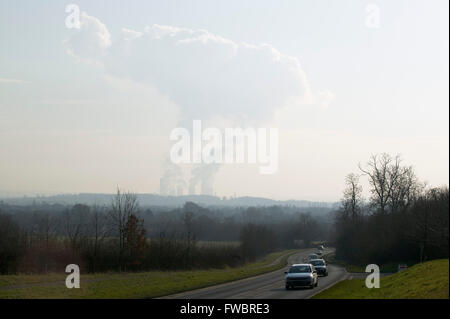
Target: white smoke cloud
172	181
203	175
91	42
203	73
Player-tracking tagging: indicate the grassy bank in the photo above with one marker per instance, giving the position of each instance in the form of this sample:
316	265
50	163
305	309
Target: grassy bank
423	281
384	268
133	285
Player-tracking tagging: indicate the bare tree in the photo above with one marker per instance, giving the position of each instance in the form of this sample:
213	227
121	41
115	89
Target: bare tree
47	231
405	188
74	223
352	200
100	230
122	207
12	244
383	172
430	219
136	241
188	221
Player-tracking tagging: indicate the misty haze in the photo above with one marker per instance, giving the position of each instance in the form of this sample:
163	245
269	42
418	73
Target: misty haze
198	150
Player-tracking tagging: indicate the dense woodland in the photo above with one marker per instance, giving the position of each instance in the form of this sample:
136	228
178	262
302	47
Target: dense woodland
123	236
403	220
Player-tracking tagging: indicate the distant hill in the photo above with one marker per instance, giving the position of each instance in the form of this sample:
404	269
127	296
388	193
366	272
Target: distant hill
167	201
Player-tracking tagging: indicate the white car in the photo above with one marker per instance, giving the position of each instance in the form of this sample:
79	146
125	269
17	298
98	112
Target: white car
301	275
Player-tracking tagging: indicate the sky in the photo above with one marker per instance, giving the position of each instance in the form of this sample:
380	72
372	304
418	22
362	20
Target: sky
90	109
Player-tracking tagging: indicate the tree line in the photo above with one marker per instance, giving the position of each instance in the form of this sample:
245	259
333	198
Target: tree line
403	220
126	237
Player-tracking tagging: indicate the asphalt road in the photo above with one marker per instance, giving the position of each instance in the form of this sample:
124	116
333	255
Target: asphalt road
267	286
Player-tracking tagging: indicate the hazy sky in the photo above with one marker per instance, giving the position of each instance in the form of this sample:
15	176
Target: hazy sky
85	110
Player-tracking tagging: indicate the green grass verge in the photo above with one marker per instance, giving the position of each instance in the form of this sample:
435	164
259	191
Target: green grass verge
384	268
134	285
423	281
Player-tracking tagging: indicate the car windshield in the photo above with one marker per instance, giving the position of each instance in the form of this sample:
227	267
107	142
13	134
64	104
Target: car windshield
317	262
297	269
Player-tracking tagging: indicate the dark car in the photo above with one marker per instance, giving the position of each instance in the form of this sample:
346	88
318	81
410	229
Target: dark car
320	266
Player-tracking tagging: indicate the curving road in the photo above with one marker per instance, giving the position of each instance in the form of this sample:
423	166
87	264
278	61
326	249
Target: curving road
267	286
